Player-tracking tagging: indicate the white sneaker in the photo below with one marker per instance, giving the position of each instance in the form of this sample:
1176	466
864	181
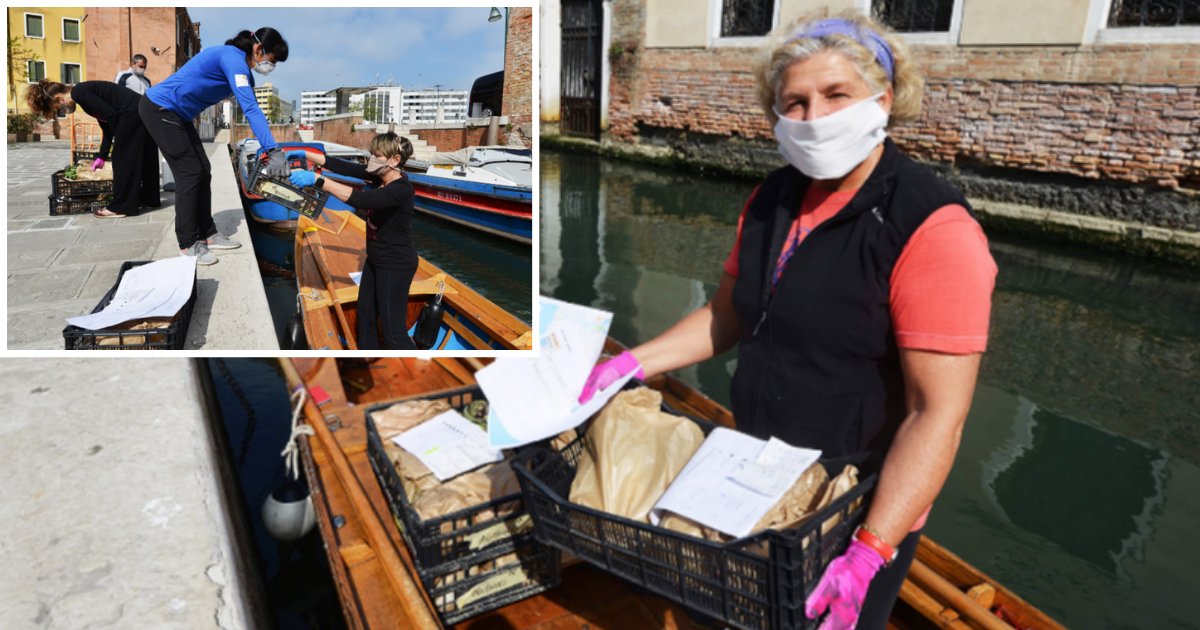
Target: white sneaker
199	249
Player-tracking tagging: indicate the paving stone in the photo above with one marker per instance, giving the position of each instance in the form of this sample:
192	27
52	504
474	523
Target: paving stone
34	259
55	222
53	285
25	241
108	252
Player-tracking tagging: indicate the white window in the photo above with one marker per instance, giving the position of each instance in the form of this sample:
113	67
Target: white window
742	22
35	70
70	30
919	21
71	73
1149	21
35	25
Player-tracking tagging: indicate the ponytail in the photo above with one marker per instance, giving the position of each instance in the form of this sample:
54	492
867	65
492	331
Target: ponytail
272	42
40	96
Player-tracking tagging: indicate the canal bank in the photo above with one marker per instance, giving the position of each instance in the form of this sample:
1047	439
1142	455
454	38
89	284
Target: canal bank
60	267
114	510
1074	482
1113	217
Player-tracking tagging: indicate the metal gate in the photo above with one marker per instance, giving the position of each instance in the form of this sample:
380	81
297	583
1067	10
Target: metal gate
580	99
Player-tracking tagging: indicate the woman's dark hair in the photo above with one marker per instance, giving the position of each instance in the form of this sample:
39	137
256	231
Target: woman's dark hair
272	42
40	96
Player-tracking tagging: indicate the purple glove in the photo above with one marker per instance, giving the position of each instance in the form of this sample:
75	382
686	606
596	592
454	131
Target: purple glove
98	164
608	372
844	587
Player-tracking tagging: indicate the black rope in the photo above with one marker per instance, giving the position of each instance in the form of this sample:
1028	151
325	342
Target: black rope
252	418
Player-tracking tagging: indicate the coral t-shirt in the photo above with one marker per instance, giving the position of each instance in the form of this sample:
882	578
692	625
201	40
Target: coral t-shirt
941	285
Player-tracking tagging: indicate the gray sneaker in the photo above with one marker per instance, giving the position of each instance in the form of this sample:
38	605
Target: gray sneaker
220	241
200	251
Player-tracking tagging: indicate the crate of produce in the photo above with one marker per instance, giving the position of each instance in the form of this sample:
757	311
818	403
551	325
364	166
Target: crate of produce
63	187
471	560
308	201
758	582
157	333
76	205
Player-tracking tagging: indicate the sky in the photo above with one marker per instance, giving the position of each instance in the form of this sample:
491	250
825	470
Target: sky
327	48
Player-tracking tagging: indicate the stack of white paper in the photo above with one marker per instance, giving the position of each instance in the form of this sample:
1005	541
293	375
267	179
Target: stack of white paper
732	480
533	399
449	445
157	289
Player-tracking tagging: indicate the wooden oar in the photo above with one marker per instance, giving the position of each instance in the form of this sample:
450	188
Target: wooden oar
933	583
327	278
381	544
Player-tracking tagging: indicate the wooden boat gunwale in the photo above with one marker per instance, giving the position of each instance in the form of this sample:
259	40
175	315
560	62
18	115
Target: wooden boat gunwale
923	603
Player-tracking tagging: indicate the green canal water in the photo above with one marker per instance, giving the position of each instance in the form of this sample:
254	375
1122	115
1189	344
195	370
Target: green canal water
1077	481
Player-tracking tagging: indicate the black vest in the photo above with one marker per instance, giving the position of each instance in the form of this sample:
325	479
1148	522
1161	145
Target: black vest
818	365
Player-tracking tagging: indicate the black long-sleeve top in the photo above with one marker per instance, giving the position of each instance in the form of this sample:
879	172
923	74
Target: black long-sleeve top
107	103
389	212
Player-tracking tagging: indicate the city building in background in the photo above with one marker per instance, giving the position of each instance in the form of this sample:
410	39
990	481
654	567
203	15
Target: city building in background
316	104
433	105
43	43
380	105
165	35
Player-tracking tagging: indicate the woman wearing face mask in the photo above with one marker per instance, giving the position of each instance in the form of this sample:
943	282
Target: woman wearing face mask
169	108
135	158
391	257
857	292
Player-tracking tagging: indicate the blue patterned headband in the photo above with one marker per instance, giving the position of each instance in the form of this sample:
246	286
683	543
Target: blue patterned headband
870	40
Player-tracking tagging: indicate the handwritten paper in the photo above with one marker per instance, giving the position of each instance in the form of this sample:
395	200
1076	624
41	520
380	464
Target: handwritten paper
449	445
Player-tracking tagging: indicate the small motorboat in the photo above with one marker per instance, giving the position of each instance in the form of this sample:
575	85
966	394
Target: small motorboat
485	188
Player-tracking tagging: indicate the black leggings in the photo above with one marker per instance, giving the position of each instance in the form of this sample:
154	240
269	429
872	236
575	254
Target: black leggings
885	588
180	145
135	167
383	303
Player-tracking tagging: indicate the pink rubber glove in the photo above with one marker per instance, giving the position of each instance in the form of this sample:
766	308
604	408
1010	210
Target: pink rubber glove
607	373
98	164
844	587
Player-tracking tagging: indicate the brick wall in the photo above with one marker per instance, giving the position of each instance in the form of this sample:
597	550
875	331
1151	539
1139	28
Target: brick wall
1122	113
107	39
281	133
518	74
448	138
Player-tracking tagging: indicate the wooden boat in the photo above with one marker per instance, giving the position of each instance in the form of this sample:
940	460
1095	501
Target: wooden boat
485	188
377	581
331	247
265	211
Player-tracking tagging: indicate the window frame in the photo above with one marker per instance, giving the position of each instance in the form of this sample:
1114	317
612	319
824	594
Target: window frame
29	75
78	29
949	37
63	70
1098	31
714	31
26	25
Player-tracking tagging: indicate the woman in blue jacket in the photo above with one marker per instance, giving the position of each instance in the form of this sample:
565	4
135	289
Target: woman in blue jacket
169	108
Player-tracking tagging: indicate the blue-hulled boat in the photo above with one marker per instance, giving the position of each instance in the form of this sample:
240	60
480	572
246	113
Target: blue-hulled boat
275	215
486	188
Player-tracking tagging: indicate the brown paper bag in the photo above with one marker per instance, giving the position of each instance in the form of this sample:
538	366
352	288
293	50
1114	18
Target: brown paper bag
401	417
633	452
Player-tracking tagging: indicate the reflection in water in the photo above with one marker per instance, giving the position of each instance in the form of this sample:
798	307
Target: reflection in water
1091	511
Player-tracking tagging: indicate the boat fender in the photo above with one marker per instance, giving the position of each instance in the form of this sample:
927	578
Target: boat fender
288	511
429	322
295	333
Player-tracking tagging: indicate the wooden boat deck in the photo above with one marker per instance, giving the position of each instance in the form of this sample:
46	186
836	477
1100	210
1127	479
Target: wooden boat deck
377	581
333	245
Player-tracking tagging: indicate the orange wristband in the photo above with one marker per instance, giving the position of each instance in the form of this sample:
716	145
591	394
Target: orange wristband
864	535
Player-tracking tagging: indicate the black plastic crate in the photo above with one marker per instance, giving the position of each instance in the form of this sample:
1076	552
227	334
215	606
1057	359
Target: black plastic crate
466	540
75	205
308	201
62	187
78	156
171	337
733	582
474	586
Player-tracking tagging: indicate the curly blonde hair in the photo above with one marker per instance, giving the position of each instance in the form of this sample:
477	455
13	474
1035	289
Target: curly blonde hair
784	48
390	144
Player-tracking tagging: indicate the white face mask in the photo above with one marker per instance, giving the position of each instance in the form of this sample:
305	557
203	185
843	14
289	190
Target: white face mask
138	71
831	146
264	67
